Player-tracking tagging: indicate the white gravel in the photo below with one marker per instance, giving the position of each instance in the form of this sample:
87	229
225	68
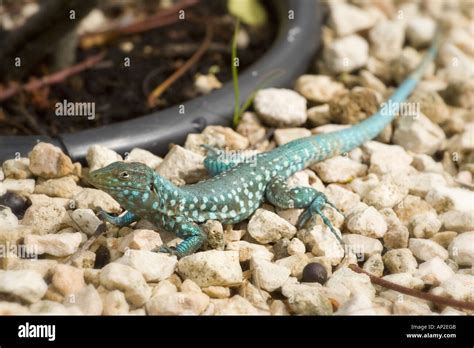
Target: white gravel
280	107
406	196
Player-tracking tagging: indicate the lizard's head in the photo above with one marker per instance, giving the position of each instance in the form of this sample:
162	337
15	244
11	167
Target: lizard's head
119	177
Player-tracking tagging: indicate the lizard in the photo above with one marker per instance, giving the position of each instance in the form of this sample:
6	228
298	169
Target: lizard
238	187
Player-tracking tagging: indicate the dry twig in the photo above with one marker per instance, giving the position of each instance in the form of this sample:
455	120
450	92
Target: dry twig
155	94
101	229
162	18
415	293
51	79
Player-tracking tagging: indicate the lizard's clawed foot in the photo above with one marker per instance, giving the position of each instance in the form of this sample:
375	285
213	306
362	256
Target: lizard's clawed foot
122	220
316	207
104	216
169	250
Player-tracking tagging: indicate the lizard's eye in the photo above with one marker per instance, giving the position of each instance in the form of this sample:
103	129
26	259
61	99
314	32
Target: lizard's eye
124	175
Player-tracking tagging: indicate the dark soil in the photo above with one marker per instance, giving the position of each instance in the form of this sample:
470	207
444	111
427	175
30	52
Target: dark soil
120	92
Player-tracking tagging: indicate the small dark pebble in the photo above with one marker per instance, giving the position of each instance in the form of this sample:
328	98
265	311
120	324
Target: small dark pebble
16	203
102	257
314	273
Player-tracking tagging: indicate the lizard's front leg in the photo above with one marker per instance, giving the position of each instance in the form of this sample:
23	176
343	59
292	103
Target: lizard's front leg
194	237
279	194
218	161
124	220
215	161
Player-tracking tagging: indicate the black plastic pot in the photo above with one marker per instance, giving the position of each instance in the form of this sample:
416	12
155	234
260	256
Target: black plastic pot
297	41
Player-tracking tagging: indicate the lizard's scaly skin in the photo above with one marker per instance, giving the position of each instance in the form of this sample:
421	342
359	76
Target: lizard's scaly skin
237	190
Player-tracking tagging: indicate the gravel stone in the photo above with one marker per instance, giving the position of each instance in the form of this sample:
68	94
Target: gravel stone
212	268
280	107
346	54
48	161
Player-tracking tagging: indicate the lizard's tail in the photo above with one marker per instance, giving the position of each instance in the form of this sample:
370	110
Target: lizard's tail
371	127
348	139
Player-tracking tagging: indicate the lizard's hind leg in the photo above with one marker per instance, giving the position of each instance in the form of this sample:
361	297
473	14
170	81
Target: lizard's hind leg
279	194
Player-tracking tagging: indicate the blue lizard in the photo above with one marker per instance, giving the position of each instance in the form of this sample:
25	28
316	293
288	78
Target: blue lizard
237	189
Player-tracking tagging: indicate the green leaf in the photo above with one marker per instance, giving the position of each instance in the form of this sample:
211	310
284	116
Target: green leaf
250	12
